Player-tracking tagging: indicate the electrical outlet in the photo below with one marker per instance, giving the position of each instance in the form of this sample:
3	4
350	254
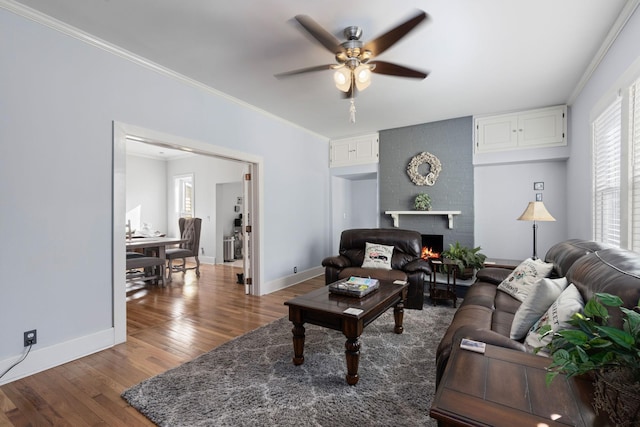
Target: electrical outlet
30	338
295	270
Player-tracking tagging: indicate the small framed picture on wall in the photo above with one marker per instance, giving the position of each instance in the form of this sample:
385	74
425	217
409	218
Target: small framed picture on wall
538	186
538	197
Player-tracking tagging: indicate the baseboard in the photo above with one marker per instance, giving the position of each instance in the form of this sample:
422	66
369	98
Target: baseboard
41	359
207	260
285	282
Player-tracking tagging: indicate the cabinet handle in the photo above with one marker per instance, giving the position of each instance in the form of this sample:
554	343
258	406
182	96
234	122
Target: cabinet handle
520	130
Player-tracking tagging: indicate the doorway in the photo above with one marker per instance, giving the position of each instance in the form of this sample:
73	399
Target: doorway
254	179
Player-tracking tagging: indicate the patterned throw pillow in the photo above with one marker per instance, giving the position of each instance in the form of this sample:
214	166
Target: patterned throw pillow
558	315
523	278
377	256
542	295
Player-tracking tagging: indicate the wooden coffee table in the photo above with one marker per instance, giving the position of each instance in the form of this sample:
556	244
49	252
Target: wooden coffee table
506	388
323	308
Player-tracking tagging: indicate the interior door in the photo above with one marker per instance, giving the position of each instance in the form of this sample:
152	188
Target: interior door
247	209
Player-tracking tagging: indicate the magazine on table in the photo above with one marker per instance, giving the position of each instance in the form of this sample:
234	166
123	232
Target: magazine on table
355	286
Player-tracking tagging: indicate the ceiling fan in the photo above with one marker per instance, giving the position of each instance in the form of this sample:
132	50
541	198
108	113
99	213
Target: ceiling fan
354	58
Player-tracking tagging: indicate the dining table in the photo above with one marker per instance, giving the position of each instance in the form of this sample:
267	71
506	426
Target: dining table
158	243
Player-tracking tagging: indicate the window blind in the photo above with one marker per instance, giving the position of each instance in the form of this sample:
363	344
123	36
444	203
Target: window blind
606	174
634	134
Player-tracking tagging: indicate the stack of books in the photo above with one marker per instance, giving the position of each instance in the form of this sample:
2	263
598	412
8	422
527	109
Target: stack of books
354	286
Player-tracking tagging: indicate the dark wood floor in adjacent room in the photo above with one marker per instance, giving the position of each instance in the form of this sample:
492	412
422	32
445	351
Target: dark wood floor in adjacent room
165	328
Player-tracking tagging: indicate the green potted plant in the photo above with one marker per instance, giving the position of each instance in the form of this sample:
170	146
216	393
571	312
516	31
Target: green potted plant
466	259
422	202
610	354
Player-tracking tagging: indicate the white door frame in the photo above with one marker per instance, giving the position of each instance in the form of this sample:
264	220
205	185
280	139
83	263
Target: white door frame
122	132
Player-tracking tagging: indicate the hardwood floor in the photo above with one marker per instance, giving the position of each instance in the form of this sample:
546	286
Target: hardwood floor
166	327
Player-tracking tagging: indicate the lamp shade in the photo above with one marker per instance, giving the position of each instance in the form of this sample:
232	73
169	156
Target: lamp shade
536	211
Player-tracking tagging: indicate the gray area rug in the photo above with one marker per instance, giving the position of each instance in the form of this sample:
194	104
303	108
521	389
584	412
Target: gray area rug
251	380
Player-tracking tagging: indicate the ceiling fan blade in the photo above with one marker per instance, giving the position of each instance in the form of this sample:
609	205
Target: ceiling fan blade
325	38
391	69
388	39
303	70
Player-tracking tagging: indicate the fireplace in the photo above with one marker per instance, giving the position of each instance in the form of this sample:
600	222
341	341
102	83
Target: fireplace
432	245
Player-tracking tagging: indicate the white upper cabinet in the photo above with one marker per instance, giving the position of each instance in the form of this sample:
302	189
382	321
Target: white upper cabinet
354	151
541	128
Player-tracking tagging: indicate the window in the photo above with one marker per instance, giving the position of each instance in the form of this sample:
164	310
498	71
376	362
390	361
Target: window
634	134
616	170
184	194
606	175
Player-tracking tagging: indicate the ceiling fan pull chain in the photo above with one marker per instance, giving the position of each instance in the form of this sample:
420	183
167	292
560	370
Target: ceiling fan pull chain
352	111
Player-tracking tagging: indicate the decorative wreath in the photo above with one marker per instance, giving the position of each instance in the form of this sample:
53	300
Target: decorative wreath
434	170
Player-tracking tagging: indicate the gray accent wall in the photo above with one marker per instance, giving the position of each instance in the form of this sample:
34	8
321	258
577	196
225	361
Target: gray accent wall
451	141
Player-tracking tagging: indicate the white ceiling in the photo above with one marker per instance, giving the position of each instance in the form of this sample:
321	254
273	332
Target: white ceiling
484	56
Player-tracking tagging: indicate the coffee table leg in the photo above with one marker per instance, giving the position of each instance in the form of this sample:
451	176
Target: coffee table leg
298	343
352	352
398	315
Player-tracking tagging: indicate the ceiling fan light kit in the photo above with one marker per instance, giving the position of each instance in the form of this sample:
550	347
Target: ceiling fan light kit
353	69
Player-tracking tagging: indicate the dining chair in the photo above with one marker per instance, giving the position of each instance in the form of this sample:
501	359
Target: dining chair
190	232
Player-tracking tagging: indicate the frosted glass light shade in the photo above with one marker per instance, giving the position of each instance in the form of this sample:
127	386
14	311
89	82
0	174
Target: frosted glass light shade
342	79
363	76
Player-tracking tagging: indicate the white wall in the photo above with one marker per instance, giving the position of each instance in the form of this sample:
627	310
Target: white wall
354	199
364	203
502	193
620	58
59	97
147	192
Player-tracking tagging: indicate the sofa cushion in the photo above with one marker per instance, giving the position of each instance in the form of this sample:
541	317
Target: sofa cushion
543	294
377	256
615	271
506	303
557	316
482	294
492	274
563	254
524	276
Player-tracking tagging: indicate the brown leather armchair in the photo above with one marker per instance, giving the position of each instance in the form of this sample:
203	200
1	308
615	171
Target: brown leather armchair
406	263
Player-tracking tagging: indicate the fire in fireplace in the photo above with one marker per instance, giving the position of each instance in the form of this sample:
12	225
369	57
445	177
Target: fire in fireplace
432	245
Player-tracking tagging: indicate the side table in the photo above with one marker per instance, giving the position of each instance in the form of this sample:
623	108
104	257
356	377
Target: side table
443	291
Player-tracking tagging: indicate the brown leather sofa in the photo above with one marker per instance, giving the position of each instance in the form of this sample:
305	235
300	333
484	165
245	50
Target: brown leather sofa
406	262
486	313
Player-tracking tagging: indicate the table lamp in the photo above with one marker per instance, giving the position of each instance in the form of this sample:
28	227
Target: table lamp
535	211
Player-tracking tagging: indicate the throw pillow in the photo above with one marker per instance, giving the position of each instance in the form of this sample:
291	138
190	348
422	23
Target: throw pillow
540	298
377	256
521	280
558	315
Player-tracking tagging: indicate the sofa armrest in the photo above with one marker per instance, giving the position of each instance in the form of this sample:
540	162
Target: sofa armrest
417	265
487	336
338	261
493	275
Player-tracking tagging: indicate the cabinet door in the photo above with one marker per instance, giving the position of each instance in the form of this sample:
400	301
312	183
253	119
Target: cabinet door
354	151
340	153
541	128
496	133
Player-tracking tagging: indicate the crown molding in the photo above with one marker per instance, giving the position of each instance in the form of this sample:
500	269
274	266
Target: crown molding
62	27
628	10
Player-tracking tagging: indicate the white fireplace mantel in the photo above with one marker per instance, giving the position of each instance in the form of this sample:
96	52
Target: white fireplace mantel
396	215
